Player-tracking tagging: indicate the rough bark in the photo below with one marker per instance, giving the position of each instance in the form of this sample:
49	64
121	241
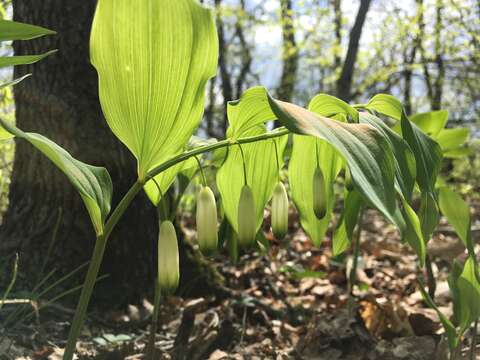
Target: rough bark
344	82
290	52
61	102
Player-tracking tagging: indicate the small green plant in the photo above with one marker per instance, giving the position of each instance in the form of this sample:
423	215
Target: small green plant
154	59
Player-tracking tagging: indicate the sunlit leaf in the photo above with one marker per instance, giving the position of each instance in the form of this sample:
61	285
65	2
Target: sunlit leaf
343	235
12	30
469	293
431	122
428	154
328	106
93	183
366	151
412	232
23	60
261	173
405	168
301	168
457	212
163	181
452	139
249	111
153	60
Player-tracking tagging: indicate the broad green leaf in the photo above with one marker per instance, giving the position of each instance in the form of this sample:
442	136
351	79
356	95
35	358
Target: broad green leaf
469	293
342	238
457	212
365	150
23	60
452	139
93	183
249	111
153	60
329	106
431	122
405	167
428	154
459	314
450	330
162	182
301	168
429	215
12	30
14	81
412	232
261	173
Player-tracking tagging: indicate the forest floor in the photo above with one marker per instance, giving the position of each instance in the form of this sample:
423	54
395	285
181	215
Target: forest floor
292	303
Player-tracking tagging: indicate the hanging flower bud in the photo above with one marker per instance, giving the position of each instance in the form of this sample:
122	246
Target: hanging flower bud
348	179
319	194
279	211
246	218
207	233
168	263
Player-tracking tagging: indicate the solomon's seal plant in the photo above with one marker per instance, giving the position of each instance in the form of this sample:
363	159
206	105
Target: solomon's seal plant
153	60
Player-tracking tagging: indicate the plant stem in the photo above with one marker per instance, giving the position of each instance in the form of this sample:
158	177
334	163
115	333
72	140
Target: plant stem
221	144
431	282
112	221
87	289
93	269
200	167
153	328
473	345
356	254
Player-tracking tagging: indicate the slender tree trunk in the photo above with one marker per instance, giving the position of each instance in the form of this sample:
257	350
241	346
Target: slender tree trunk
246	56
61	102
290	52
337	10
344	82
438	86
227	88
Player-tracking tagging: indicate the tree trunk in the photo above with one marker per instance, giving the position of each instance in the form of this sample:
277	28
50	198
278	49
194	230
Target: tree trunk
290	52
61	102
344	82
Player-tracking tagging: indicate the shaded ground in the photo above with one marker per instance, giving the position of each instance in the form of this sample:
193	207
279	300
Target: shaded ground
291	303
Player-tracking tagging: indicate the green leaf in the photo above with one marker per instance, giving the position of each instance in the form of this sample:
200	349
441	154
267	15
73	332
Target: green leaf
450	330
261	173
163	181
12	30
342	238
469	293
428	154
431	122
457	212
93	183
14	81
429	215
459	313
412	232
365	150
405	167
248	112
301	168
329	106
452	139
153	59
23	60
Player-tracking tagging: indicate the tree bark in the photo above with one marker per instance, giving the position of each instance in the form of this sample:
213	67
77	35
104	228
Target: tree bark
344	82
61	102
290	52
